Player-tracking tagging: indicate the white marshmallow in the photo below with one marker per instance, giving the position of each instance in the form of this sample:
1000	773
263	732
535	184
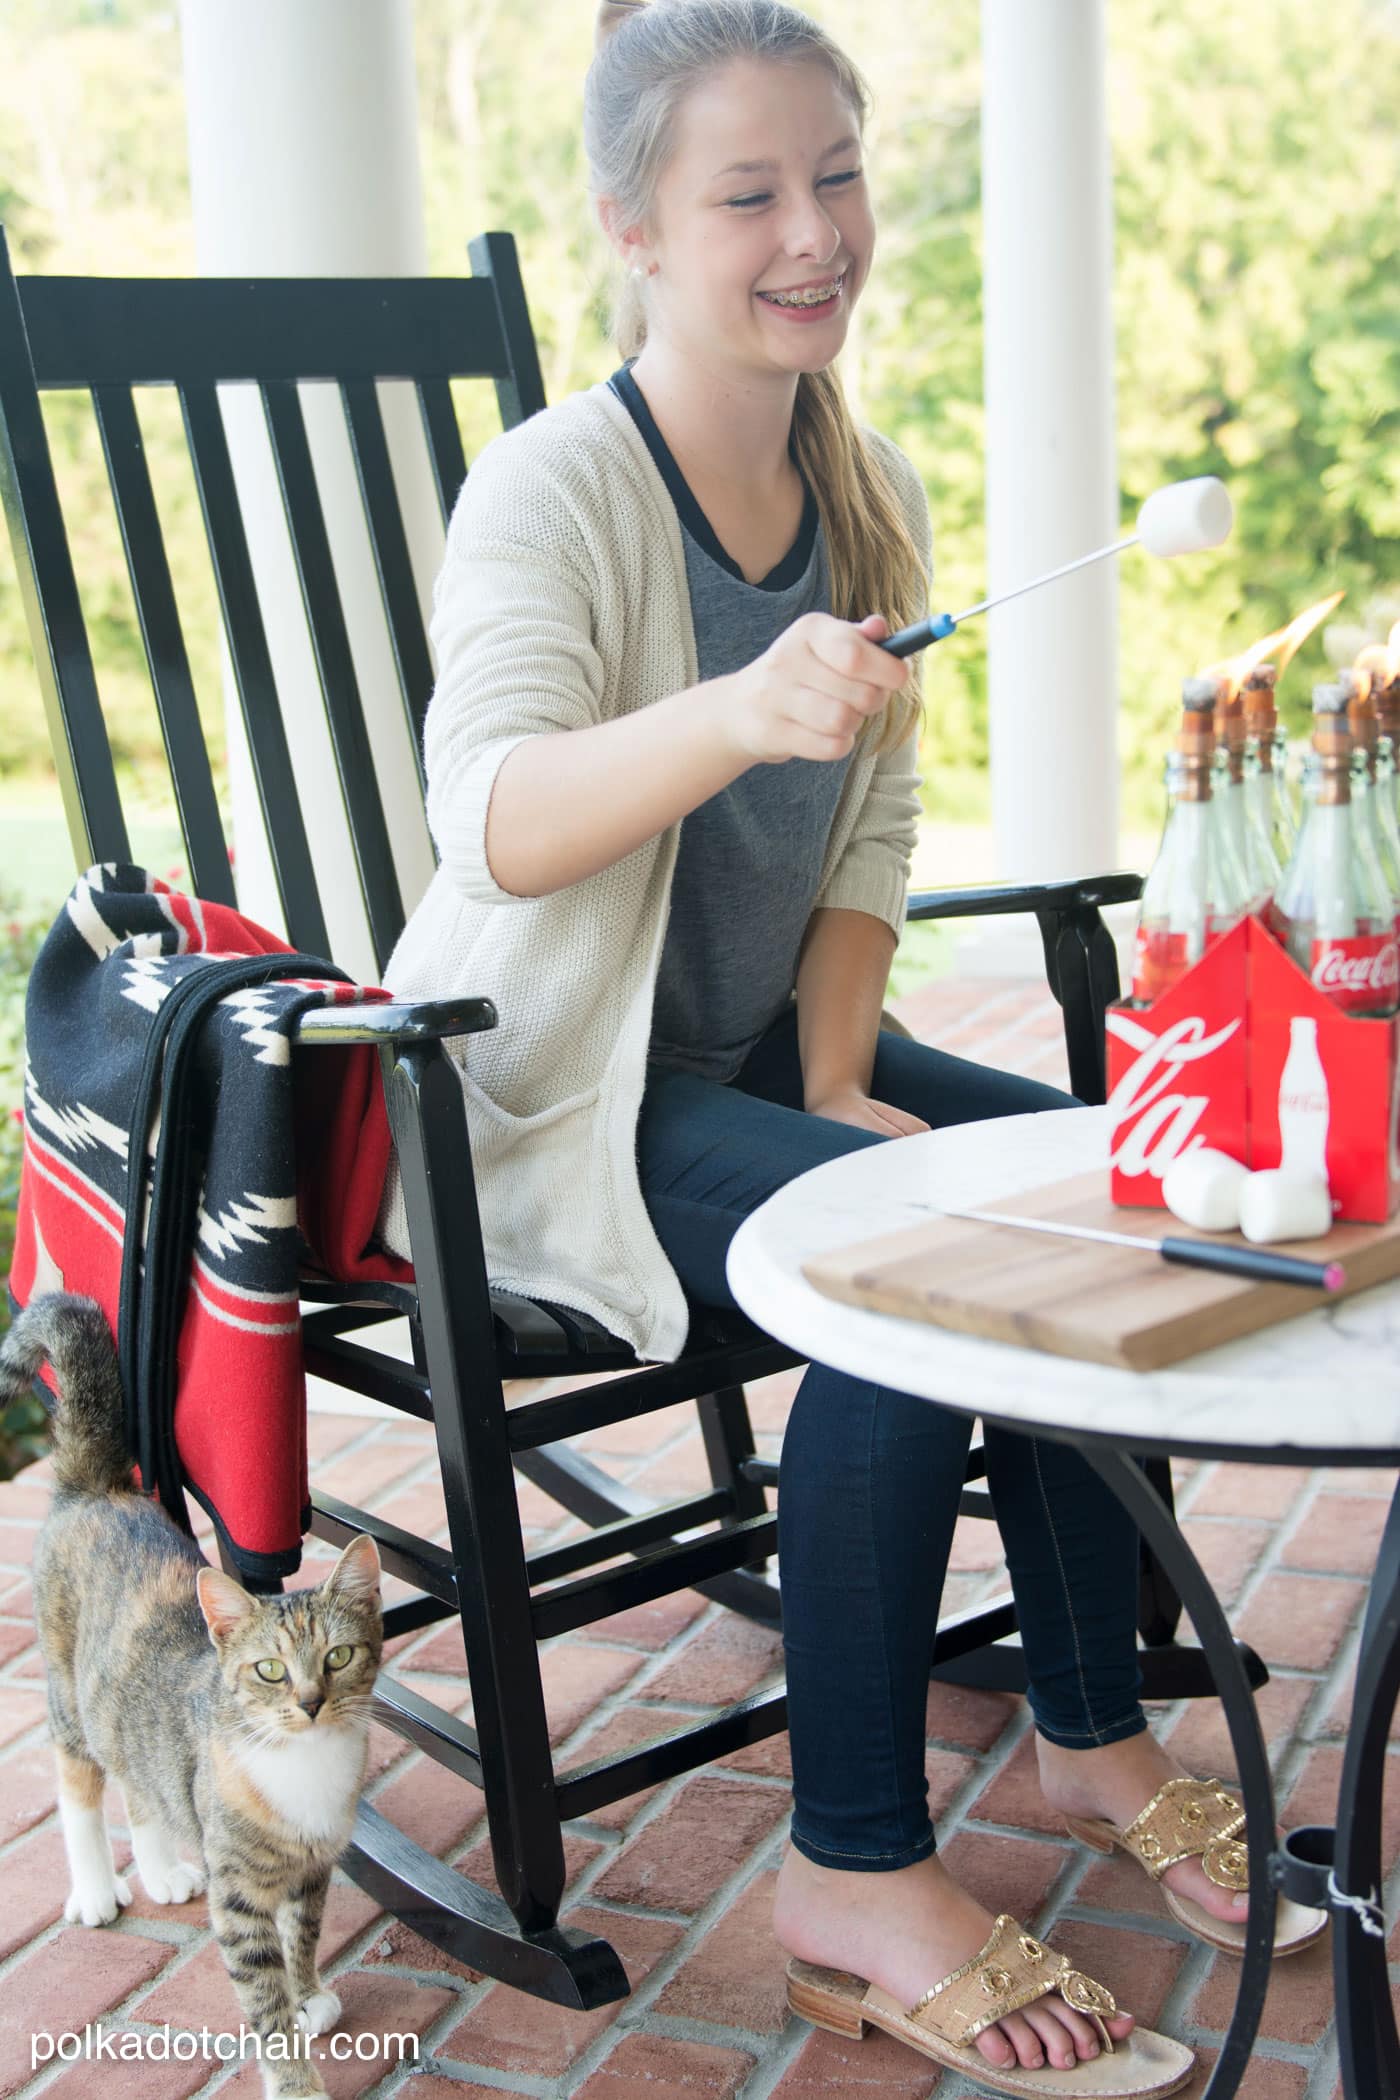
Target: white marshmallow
1186	516
1279	1205
1202	1188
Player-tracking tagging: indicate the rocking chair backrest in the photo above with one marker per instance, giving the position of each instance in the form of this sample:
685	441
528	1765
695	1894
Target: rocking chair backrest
109	336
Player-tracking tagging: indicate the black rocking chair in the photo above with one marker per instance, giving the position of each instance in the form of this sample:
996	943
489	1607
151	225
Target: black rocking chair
109	336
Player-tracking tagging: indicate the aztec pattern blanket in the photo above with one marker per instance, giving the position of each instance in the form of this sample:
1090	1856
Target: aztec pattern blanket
158	1031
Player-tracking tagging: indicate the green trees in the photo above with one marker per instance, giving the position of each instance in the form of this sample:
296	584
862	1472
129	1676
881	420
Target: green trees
1257	163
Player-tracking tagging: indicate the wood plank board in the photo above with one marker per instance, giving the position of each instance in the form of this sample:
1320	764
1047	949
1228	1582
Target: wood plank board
1107	1305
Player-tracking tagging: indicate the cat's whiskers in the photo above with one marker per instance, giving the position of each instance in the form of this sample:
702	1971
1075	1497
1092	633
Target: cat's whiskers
258	1735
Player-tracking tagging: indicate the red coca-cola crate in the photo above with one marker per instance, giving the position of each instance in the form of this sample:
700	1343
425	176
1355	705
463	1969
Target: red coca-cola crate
1246	1055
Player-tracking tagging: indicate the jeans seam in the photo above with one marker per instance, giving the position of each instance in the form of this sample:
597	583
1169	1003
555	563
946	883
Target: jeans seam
1093	1730
1134	1720
839	1851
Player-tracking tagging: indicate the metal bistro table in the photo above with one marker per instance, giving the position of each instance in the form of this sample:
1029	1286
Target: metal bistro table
1323	1388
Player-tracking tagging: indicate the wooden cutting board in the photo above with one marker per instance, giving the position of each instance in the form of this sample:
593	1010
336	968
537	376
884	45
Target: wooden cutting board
1108	1305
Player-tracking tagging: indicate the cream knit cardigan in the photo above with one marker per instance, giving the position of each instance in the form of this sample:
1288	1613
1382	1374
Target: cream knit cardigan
563	602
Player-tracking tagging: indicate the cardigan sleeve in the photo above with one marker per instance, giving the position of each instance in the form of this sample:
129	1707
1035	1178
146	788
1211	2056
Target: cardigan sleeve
512	636
872	874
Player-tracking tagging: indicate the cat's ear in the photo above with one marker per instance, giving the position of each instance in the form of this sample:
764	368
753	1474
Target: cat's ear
224	1603
355	1575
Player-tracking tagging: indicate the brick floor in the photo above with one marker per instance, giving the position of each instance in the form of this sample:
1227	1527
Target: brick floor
679	1877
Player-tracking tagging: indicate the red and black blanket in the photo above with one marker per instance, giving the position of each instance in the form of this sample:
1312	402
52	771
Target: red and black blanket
185	1166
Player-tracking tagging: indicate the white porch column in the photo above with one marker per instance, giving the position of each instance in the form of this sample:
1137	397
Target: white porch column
304	162
1051	469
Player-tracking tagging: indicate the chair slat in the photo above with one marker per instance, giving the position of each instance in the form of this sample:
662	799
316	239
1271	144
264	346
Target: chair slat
252	670
444	436
335	666
53	610
391	556
132	331
200	823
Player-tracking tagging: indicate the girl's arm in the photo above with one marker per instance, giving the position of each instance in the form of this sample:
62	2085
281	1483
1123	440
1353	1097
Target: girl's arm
844	963
841	982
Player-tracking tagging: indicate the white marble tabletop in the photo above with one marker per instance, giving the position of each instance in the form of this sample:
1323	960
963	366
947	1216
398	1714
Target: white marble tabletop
1325	1381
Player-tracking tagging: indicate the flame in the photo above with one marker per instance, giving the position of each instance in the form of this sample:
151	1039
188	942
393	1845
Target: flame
1372	665
1281	647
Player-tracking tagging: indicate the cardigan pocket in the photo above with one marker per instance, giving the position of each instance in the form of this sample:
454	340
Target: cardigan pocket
508	1123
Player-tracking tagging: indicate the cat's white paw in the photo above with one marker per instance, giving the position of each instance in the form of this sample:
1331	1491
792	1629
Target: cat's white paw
98	1904
176	1883
320	2013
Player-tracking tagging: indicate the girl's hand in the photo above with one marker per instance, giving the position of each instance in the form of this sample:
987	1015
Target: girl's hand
811	691
849	1104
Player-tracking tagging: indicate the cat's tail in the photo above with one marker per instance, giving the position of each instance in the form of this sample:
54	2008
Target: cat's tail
90	1455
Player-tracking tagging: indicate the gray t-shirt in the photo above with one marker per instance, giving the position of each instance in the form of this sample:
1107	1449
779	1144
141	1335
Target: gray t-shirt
750	857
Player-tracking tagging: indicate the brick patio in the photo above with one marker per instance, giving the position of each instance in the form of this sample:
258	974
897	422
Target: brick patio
679	1878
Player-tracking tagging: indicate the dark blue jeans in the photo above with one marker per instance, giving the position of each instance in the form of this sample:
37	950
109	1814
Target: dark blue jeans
870	1478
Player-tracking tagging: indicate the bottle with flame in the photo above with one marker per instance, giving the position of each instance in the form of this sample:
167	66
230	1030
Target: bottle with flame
1379	665
1332	909
1375	824
1197	889
1239	813
1253	787
1266	766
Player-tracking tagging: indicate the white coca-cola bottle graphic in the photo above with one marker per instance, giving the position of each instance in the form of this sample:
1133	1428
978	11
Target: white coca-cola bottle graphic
1303	1107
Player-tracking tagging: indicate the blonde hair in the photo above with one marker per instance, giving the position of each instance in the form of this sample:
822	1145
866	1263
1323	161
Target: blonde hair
648	60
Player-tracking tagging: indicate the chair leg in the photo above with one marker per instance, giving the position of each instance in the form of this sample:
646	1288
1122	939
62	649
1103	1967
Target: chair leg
428	1121
1159	1607
728	1438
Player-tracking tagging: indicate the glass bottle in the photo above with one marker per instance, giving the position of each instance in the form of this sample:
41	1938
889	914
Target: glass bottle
1266	765
1376	837
1197	889
1332	910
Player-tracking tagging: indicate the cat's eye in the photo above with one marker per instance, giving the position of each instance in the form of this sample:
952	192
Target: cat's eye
271	1670
339	1657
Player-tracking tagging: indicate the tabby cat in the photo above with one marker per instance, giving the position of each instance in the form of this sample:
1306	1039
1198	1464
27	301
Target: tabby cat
237	1726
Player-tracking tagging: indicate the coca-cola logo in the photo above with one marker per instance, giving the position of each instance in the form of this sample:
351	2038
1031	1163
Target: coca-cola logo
1152	1125
1344	968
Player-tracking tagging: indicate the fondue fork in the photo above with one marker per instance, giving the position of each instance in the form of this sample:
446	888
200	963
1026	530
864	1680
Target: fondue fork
1254	1262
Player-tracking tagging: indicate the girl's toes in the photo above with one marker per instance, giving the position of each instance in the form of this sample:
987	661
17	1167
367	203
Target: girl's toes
1120	2026
1053	2023
1030	2051
996	2048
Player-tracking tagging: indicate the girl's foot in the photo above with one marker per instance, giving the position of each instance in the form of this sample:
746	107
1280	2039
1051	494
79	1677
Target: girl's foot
1116	1782
906	1930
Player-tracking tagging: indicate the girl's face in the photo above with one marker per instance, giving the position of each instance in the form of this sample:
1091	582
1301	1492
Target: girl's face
725	235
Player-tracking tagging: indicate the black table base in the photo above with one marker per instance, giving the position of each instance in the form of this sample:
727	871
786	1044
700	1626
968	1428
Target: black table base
1336	1870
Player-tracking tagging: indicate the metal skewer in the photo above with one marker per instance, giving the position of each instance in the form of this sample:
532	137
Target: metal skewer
937	625
1181	518
1255	1262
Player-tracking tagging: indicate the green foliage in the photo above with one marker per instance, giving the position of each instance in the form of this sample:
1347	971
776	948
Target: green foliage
22	1423
1256	163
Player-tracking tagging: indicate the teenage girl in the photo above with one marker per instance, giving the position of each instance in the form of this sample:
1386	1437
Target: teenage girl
673	783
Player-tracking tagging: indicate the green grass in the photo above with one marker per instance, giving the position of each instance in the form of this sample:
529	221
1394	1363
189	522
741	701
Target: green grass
36	859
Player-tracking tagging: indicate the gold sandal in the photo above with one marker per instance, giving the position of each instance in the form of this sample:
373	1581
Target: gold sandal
1012	1970
1189	1819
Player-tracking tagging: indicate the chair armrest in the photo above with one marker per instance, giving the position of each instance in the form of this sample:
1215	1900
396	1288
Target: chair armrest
395	1021
983	902
1081	963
